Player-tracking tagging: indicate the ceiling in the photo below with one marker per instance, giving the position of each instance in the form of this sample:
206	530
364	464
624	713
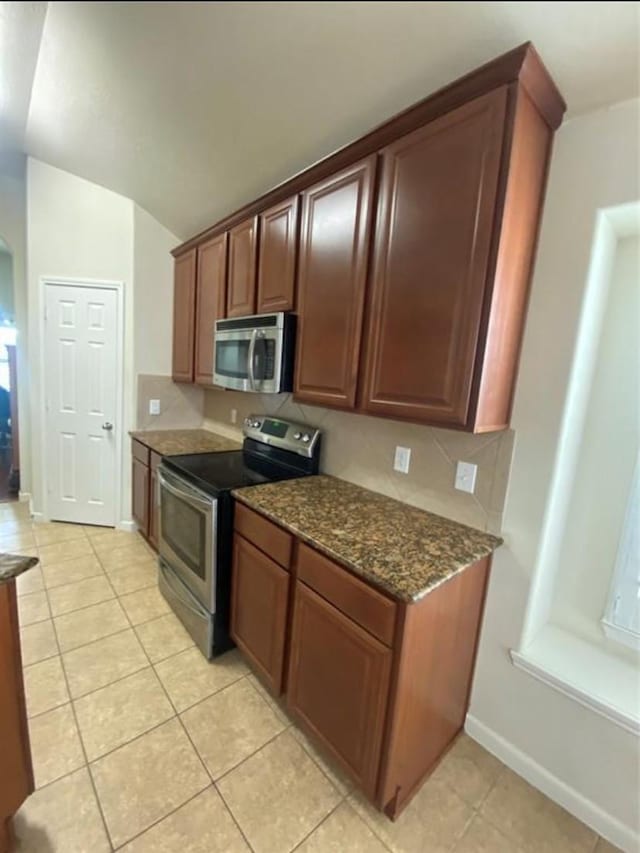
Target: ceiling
192	109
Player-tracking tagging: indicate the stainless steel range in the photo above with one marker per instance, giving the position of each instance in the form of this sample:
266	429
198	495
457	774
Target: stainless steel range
196	518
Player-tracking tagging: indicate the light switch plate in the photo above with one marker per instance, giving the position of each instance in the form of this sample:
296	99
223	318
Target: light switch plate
402	459
154	407
466	473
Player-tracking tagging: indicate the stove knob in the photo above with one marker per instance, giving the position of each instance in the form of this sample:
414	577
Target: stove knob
297	436
255	424
306	438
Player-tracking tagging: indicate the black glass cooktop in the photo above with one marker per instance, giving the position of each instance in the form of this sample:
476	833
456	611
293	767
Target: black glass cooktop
221	472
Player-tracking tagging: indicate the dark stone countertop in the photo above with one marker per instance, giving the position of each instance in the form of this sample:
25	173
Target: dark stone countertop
12	565
179	442
404	550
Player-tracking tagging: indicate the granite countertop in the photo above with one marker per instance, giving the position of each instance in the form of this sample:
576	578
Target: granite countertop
12	565
401	549
179	442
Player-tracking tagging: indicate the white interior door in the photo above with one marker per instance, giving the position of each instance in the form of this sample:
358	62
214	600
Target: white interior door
81	357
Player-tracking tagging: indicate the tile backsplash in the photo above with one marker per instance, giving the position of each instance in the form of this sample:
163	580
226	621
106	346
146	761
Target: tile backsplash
361	449
181	405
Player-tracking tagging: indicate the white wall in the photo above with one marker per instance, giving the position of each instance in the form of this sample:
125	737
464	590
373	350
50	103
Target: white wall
6	284
76	229
153	300
581	757
13	232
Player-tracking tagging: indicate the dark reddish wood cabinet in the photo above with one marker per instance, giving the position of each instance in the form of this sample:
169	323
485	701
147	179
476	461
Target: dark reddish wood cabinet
16	778
436	212
241	284
277	257
334	248
338	684
140	495
211	301
145	506
442	300
259	600
381	685
184	306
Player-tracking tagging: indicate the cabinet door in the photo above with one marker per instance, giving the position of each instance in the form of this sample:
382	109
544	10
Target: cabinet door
140	495
433	238
243	244
259	596
211	296
277	257
338	684
184	304
334	245
154	500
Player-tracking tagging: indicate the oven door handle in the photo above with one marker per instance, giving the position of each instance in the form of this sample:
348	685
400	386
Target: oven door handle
190	497
250	359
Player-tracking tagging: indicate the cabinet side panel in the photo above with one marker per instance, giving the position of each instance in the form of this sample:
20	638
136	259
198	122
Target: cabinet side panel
432	682
526	183
16	778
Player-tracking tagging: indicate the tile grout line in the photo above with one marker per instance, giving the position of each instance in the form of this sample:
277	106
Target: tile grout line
82	747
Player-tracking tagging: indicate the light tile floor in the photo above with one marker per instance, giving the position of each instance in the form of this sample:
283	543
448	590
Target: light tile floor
141	745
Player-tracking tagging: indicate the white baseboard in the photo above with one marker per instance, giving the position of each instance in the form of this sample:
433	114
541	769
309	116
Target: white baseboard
585	810
24	496
129	526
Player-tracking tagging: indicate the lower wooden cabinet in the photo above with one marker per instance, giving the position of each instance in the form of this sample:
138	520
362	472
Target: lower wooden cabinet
338	684
140	495
145	499
259	600
16	778
380	685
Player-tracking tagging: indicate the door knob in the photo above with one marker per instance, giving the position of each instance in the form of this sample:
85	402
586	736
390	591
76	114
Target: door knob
106	425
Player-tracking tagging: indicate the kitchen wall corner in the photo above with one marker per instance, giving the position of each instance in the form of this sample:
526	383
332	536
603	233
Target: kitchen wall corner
181	406
360	449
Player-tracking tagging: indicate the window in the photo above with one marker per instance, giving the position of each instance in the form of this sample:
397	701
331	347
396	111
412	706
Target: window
621	620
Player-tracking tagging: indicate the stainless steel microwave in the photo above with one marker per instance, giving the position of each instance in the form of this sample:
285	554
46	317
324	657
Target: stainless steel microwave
255	353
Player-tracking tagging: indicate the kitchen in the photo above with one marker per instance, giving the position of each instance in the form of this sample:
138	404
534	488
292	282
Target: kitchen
323	478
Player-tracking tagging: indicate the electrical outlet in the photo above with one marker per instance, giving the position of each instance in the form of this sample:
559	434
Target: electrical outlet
402	459
466	477
154	407
234	415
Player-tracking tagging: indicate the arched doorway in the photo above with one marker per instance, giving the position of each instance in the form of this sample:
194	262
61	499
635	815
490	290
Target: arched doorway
9	445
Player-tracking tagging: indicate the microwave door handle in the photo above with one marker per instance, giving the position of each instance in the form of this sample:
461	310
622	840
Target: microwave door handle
250	359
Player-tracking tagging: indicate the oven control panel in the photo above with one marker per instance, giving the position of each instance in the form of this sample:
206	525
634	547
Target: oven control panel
278	432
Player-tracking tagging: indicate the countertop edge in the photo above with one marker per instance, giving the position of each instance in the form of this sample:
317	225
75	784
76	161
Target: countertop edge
18	564
374	581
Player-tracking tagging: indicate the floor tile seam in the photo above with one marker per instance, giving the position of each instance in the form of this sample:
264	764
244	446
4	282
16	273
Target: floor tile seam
364	817
48	587
318	825
267	743
84	752
84	606
160	819
110	683
317	763
83	538
209	695
517	847
234	818
30	717
162	660
149	585
99	758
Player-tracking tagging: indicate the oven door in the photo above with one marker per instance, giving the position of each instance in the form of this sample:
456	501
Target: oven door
248	360
187	534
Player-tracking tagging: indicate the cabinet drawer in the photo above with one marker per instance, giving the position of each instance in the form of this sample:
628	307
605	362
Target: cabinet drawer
264	534
369	608
155	460
140	452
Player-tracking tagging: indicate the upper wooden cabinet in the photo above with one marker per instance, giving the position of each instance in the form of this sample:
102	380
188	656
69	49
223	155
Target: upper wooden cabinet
211	295
184	297
436	210
334	248
277	257
241	290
